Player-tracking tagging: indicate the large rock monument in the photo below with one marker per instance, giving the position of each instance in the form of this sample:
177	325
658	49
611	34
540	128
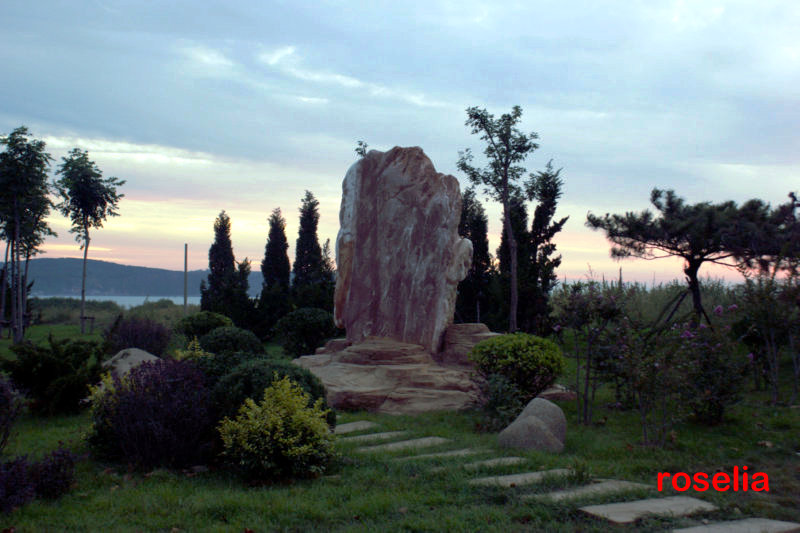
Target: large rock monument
399	260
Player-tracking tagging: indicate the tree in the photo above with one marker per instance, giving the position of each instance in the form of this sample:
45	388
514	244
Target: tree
275	266
698	233
361	149
87	199
218	295
768	239
24	203
308	254
544	187
506	146
473	225
274	301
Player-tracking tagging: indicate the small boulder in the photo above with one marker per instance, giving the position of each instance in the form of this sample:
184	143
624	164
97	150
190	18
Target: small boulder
541	426
126	360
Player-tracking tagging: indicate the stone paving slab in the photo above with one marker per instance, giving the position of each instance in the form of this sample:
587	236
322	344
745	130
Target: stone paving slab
748	525
352	427
488	463
514	480
626	512
369	437
423	442
603	486
450	453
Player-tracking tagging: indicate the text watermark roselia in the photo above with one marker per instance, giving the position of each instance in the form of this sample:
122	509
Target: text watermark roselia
740	480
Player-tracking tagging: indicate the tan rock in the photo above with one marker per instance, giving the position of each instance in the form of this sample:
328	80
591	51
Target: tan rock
459	340
390	377
398	254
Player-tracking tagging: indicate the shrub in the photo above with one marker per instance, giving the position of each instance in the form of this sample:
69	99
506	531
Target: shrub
53	475
56	378
502	402
279	437
137	332
159	414
16	487
303	330
715	372
199	324
250	378
528	362
231	339
218	365
193	352
11	404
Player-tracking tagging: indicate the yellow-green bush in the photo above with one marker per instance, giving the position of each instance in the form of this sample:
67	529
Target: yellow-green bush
279	437
528	362
192	352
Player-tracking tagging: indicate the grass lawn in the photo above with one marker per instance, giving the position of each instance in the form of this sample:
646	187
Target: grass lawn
376	493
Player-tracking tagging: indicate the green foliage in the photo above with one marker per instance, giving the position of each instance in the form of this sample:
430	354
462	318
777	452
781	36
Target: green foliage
280	437
275	266
502	402
506	147
308	266
56	377
528	362
230	339
226	290
24	205
87	198
302	331
201	323
471	298
220	364
11	405
135	332
250	378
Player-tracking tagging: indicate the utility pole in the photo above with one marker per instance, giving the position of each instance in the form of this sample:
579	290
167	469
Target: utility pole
185	278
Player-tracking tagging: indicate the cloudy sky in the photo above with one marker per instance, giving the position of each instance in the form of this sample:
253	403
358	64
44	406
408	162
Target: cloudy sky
203	106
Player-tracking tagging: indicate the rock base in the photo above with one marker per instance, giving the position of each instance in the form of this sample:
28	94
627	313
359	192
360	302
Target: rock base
387	376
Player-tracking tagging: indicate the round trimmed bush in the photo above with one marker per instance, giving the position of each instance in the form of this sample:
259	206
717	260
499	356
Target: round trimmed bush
199	324
249	380
231	339
218	365
302	331
528	362
279	437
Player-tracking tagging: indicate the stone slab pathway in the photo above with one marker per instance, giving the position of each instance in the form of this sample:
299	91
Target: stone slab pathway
748	525
603	486
626	512
450	453
424	442
369	437
352	427
486	463
515	480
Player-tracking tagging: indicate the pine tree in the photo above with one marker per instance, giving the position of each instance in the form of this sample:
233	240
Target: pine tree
472	289
308	254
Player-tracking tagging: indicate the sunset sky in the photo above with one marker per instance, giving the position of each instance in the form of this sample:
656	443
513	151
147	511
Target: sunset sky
203	106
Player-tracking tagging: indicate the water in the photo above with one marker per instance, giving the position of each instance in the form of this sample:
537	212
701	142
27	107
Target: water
126	301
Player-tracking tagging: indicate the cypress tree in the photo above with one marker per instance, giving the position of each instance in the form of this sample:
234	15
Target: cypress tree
545	188
275	266
472	289
217	295
308	254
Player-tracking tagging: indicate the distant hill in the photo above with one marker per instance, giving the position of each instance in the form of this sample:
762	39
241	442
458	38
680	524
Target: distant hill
62	277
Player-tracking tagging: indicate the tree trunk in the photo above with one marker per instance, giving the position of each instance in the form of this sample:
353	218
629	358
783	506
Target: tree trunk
3	283
691	269
16	291
83	279
512	249
25	291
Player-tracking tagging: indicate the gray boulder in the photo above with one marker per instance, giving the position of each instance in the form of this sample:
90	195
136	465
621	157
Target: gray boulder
127	359
541	426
